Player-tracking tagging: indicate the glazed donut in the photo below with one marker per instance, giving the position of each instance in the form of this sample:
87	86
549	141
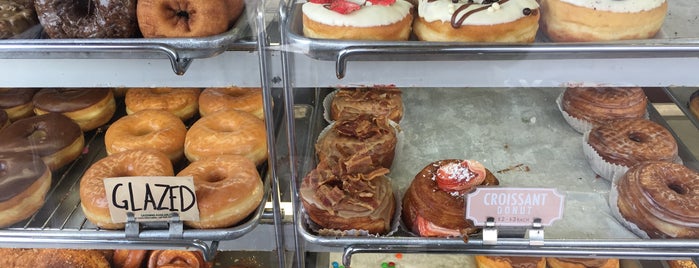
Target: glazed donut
124	258
177	258
93	198
242	99
390	20
510	21
15	18
17	102
694	104
617	145
358	144
228	189
601	20
183	102
581	263
661	199
147	129
41	257
681	264
509	262
89	107
87	19
186	18
433	204
53	137
377	101
591	106
24	181
227	132
361	201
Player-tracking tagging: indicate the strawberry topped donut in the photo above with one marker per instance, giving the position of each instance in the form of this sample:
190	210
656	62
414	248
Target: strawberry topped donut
506	21
357	19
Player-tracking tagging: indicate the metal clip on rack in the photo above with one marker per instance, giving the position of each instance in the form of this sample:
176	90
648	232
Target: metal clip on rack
535	233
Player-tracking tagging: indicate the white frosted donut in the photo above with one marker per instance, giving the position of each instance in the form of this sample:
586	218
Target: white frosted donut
369	22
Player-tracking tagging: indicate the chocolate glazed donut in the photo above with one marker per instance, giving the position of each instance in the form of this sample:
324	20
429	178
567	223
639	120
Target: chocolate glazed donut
88	18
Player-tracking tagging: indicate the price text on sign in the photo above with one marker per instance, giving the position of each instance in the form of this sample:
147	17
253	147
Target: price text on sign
151	198
514	206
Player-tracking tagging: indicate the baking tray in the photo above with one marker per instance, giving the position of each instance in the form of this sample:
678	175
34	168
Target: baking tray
32	44
62	218
521	136
677	38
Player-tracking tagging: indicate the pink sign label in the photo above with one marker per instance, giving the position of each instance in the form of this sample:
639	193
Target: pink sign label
514	206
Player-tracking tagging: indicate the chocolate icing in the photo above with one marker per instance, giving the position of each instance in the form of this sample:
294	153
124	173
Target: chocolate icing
13	97
18	171
457	20
42	135
88	18
60	100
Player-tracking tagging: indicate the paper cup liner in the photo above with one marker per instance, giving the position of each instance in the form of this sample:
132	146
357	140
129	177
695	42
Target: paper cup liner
613	199
327	106
604	169
581	126
395	222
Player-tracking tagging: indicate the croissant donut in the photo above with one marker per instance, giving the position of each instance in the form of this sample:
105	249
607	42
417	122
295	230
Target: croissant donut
186	18
434	204
124	258
177	258
661	198
592	106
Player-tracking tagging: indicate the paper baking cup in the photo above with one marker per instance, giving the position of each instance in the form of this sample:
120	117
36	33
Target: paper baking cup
581	126
395	222
327	108
601	167
613	199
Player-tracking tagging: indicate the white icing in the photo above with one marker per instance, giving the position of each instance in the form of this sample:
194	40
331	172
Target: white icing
442	10
621	6
367	16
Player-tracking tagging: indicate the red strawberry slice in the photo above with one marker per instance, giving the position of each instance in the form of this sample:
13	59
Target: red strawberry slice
382	2
344	6
320	1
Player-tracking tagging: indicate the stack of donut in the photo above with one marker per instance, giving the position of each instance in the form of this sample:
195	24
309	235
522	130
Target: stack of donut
124	19
348	190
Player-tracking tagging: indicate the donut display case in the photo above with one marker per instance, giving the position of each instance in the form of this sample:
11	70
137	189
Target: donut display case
483	110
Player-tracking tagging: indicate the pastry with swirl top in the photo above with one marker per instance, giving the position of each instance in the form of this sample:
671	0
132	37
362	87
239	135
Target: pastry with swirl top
503	21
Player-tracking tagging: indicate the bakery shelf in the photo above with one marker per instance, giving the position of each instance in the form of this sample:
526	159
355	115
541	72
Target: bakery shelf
478	123
542	63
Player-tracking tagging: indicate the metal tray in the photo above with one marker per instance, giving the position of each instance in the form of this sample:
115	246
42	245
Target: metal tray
677	38
61	220
505	128
180	51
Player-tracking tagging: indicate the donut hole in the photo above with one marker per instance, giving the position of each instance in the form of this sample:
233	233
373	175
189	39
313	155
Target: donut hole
84	8
677	188
215	176
38	133
638	137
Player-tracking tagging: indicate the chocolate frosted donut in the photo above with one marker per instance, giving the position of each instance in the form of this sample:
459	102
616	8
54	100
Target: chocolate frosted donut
4	119
89	107
88	18
15	18
24	181
53	137
17	102
661	198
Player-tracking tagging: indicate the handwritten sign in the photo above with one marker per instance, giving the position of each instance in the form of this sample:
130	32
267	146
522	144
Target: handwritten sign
514	206
151	198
